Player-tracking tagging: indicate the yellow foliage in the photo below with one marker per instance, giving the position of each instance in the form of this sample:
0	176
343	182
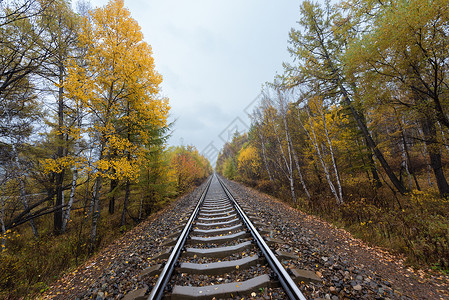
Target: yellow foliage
117	84
249	161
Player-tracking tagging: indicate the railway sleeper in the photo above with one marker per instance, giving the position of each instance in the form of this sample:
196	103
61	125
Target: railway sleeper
218	252
301	275
218	200
228	217
286	255
222	267
217	231
216	205
230	208
151	271
138	294
217	214
163	254
215	224
180	226
218	239
176	233
273	241
225	290
169	242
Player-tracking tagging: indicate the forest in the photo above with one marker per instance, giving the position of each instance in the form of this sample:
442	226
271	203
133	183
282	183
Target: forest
355	130
83	137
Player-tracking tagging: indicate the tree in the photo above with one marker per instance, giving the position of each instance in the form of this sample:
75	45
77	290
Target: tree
119	73
249	162
320	128
406	50
59	25
319	49
229	168
20	38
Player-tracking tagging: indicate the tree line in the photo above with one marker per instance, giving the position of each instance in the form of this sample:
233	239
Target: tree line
83	126
359	120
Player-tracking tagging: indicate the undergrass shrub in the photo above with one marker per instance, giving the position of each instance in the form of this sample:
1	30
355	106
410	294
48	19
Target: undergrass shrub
29	265
419	228
415	225
264	186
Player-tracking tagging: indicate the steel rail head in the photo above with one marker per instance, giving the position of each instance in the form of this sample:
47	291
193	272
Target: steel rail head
286	281
158	289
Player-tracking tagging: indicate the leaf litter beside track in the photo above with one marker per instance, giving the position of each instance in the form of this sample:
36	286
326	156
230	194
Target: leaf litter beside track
114	271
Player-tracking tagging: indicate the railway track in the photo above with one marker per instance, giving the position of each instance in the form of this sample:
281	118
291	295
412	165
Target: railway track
219	254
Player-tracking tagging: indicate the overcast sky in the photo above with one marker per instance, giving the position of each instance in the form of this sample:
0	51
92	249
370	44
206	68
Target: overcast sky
214	56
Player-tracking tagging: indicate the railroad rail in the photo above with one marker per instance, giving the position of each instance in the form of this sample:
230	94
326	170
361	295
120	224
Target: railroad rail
219	238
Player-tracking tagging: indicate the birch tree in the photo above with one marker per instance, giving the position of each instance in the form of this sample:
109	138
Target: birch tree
286	155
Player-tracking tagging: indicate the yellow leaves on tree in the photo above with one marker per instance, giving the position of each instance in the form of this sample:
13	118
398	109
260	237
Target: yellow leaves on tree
249	162
116	83
327	122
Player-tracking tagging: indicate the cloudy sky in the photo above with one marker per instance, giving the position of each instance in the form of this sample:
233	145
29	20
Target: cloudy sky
214	56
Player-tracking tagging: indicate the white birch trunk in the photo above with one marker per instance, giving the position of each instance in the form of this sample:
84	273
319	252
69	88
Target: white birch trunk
295	157
67	211
318	151
66	218
331	149
265	158
303	183
288	166
95	213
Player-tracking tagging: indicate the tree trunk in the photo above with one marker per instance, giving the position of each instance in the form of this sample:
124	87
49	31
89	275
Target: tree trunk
323	164
95	214
295	157
265	158
361	123
2	219
425	155
331	149
443	136
125	203
74	177
288	165
71	199
429	131
408	162
372	164
58	214
140	206
114	184
301	178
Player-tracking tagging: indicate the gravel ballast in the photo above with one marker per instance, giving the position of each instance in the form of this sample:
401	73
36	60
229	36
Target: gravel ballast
347	268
